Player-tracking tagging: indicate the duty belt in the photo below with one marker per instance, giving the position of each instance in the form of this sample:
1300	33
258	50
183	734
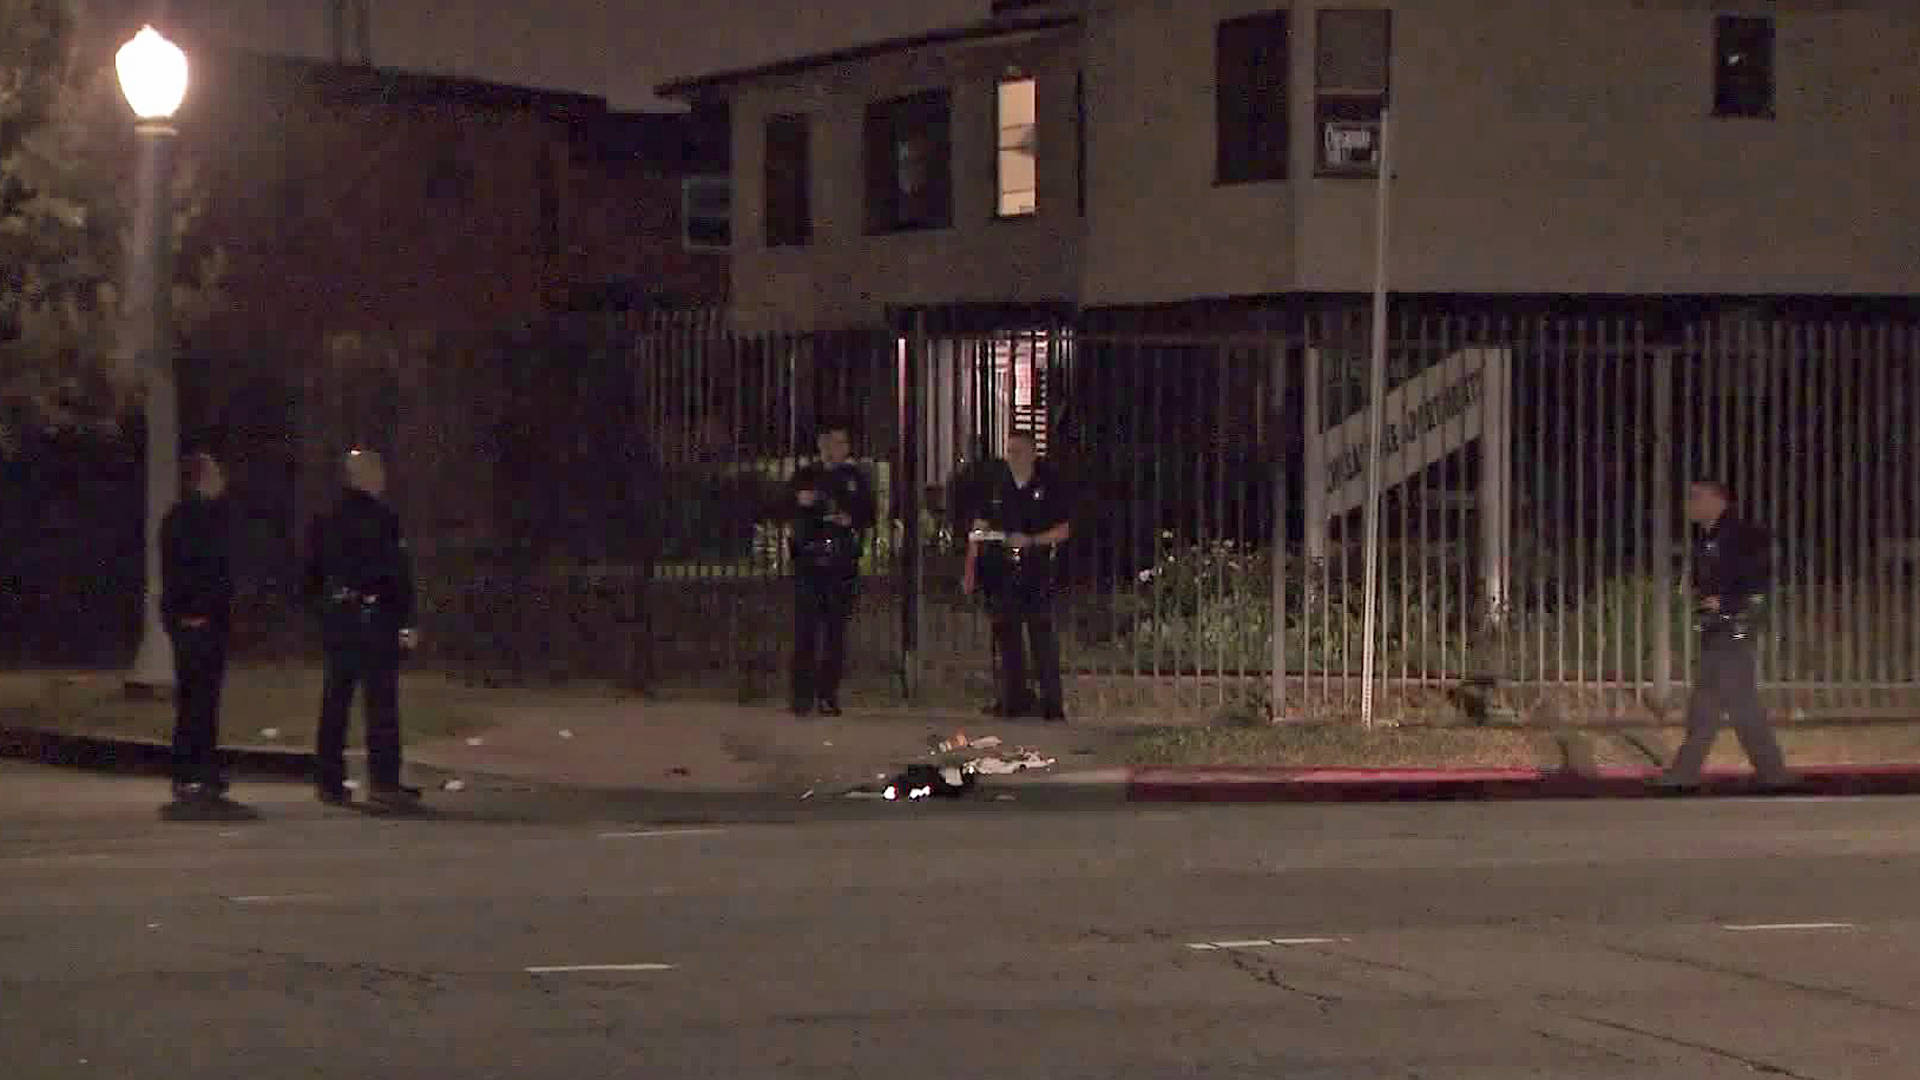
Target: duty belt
1737	626
363	604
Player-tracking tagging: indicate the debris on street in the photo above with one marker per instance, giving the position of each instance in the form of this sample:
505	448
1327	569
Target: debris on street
959	760
927	781
959	741
999	766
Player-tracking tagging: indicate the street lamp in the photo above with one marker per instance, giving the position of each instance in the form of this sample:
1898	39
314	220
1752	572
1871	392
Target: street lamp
153	76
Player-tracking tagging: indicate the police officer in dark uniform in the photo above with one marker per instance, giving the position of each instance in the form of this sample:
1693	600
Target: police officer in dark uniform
1732	572
1023	518
196	603
359	582
834	508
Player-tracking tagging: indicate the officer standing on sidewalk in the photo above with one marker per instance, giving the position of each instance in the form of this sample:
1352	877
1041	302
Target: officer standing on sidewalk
1024	517
196	602
1732	573
834	508
359	582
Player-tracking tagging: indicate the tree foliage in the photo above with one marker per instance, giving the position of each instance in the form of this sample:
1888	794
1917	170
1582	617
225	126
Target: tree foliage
68	162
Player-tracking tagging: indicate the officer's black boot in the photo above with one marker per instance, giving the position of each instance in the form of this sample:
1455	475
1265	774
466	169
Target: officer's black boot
398	796
829	706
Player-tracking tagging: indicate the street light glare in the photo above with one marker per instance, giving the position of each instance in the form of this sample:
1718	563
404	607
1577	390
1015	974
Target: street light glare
153	74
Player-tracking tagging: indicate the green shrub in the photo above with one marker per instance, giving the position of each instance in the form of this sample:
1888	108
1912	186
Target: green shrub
1209	608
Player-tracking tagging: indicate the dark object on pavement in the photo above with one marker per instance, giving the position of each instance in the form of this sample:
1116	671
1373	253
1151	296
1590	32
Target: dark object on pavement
929	781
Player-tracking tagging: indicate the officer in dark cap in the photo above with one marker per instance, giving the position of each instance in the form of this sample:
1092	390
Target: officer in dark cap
359	582
834	508
1732	574
196	602
1024	515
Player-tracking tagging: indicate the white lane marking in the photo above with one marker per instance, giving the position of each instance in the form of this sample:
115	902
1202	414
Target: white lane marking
1755	927
1261	943
568	969
658	832
276	898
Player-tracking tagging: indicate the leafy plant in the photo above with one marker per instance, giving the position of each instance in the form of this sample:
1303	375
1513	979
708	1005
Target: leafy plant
67	186
1209	607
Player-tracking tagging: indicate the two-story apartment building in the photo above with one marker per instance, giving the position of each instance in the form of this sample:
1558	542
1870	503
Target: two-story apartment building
397	247
1124	153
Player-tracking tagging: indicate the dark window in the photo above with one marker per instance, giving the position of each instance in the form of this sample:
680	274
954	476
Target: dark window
1250	98
706	213
1080	141
546	177
909	163
789	181
1353	51
451	175
1742	66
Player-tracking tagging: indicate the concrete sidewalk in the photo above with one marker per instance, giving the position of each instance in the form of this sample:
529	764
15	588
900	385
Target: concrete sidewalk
703	746
611	742
615	742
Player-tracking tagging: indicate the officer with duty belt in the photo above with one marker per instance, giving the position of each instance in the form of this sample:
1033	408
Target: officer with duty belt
1732	572
196	605
1022	519
834	506
359	583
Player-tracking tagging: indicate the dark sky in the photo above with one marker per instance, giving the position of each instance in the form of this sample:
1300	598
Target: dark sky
617	48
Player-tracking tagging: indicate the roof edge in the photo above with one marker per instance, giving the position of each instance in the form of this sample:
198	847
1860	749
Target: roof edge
699	85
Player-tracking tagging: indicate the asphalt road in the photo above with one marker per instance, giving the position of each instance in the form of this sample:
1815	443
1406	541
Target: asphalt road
1699	940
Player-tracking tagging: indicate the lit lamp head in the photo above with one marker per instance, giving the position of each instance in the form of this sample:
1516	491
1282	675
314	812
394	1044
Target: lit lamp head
153	76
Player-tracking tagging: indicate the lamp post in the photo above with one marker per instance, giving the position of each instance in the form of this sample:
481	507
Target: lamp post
153	76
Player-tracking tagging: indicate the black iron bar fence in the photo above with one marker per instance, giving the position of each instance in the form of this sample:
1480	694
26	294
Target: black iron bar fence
1532	539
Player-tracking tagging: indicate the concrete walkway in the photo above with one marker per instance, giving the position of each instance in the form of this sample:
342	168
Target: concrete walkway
612	743
709	746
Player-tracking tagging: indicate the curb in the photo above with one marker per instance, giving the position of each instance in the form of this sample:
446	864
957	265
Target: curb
143	757
1153	783
1231	784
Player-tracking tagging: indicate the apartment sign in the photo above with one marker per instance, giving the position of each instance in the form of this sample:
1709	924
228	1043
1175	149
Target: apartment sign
1426	418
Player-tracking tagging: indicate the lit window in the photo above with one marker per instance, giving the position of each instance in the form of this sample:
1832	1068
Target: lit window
1018	112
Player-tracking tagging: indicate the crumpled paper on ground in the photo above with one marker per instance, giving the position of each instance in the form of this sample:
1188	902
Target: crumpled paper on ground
1000	766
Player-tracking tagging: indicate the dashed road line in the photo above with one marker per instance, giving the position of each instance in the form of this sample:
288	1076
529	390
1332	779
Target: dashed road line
276	898
1262	943
1740	928
572	969
658	832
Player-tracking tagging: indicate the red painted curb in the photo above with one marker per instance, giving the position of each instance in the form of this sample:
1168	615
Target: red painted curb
1222	783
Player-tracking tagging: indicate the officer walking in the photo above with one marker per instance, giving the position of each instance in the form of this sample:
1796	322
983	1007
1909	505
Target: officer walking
1022	519
196	602
359	582
1732	572
834	508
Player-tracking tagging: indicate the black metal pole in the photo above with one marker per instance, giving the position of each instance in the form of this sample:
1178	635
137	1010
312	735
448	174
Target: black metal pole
912	563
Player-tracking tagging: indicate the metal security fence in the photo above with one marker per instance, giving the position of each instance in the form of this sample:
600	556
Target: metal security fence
730	418
1533	476
1531	551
